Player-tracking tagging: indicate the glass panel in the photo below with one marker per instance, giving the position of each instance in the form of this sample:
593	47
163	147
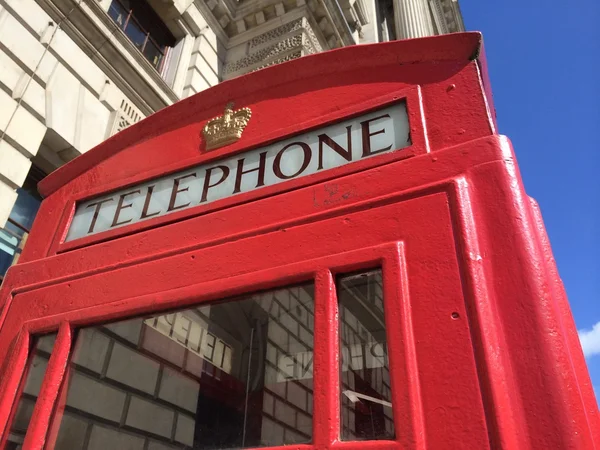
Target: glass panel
366	395
135	33
16	230
153	54
10	247
35	370
118	13
139	21
25	208
229	375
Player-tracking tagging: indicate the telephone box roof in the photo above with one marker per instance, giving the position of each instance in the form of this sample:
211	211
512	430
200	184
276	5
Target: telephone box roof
347	66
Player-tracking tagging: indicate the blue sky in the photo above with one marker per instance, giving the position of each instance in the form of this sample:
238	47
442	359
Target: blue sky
544	62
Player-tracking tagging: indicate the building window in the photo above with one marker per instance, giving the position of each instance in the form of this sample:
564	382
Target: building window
17	228
144	28
386	23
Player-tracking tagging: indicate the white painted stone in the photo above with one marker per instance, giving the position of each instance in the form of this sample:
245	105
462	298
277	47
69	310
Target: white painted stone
48	34
196	80
193	18
104	4
183	64
32	93
30	12
14	166
111	96
224	20
93	122
8	197
188	91
260	17
181	5
413	19
10	72
25	130
46	67
211	37
208	52
200	64
279	9
19	41
62	103
78	61
369	29
241	25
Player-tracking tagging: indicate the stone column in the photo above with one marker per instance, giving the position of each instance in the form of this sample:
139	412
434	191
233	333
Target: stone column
413	19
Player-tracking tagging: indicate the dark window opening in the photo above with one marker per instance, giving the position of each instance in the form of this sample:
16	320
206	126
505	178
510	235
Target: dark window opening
35	371
14	234
144	28
386	22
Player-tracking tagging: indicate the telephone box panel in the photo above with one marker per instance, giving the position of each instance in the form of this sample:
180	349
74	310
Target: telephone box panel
336	252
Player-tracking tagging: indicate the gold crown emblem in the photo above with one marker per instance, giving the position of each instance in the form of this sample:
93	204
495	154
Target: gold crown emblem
226	129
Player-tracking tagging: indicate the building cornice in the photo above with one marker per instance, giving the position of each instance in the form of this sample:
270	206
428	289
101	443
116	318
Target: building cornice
447	16
99	37
247	18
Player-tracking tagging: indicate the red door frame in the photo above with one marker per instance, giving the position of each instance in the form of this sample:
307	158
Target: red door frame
452	204
314	263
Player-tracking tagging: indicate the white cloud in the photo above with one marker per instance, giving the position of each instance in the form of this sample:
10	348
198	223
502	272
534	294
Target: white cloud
590	340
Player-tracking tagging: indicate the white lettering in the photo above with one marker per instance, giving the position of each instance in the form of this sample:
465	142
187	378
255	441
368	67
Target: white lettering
299	366
197	339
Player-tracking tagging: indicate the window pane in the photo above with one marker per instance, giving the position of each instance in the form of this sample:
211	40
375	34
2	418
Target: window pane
36	369
135	33
365	373
153	54
118	13
229	375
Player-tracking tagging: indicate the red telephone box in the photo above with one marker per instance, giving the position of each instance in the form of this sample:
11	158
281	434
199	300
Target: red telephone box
343	258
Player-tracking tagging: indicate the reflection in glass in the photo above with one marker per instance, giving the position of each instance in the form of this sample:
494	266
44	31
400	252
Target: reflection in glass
14	234
35	371
365	373
229	375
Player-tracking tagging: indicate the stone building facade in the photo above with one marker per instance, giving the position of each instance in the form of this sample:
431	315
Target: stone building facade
75	72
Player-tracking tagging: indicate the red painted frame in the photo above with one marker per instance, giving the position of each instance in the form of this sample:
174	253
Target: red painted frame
447	218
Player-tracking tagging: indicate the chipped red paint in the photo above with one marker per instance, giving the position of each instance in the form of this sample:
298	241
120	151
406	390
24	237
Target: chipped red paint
483	348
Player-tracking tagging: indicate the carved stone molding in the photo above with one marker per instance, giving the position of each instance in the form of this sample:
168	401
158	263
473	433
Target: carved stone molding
288	41
125	116
447	16
289	57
